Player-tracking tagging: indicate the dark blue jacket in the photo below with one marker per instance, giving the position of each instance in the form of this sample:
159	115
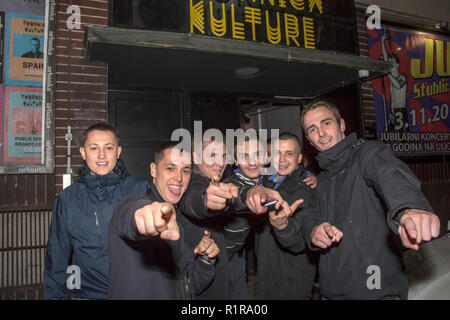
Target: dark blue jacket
79	233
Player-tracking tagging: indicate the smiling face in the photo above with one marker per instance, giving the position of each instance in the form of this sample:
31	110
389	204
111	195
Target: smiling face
249	159
171	175
213	160
287	157
322	128
101	151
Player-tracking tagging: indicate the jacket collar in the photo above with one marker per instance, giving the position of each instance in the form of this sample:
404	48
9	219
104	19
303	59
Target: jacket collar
93	181
294	177
154	194
196	170
334	158
245	179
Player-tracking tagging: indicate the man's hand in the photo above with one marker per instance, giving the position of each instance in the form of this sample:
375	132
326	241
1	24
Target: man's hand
311	181
417	225
258	195
158	218
324	235
218	193
279	219
207	247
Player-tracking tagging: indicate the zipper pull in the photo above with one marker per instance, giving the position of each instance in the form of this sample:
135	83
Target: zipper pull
98	228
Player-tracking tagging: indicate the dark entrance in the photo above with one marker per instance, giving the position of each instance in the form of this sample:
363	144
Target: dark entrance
144	119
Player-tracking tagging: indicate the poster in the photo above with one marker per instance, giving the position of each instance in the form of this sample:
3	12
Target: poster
23	122
2	44
412	101
24	49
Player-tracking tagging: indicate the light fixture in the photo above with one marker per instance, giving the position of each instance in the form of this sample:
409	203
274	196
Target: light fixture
443	25
249	72
363	73
246	72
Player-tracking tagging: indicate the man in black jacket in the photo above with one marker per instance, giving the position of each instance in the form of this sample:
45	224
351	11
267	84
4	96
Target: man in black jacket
249	162
149	258
367	199
203	204
285	267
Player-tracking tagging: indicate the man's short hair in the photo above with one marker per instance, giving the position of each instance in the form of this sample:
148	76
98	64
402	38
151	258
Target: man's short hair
203	141
317	104
35	39
101	126
159	153
291	136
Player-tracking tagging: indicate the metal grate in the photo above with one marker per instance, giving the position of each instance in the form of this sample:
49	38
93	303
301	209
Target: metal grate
23	239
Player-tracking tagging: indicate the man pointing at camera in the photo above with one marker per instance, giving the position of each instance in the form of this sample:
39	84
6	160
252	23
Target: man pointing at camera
367	201
149	258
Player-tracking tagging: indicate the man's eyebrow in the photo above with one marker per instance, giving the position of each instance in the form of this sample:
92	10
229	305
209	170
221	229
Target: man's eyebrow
326	119
170	165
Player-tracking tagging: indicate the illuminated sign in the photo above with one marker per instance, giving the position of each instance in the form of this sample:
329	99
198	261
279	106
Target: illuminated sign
310	24
287	22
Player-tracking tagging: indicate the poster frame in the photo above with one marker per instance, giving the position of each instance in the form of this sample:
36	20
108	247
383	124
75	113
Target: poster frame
46	166
374	135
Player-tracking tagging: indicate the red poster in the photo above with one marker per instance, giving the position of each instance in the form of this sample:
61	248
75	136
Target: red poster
23	121
412	101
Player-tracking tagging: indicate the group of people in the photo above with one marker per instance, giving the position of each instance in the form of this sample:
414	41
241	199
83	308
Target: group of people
181	235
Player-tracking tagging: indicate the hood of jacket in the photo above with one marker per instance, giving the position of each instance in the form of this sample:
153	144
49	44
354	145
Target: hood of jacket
334	158
119	172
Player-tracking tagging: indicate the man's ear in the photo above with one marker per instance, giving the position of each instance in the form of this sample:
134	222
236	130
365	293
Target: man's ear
83	153
119	151
342	126
300	158
153	170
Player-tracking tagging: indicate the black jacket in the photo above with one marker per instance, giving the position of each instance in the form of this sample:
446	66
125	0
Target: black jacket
194	208
147	267
236	220
362	191
285	266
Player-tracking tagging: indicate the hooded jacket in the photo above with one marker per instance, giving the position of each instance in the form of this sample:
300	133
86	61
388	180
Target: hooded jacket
79	233
363	191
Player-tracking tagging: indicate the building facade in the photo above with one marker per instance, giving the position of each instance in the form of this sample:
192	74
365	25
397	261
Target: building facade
150	67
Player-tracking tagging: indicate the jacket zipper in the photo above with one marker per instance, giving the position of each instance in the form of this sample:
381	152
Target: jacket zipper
98	228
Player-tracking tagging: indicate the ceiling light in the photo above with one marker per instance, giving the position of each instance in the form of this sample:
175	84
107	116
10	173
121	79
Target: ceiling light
246	72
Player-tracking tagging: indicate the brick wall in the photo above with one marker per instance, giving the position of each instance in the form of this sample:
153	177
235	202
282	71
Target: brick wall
80	88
